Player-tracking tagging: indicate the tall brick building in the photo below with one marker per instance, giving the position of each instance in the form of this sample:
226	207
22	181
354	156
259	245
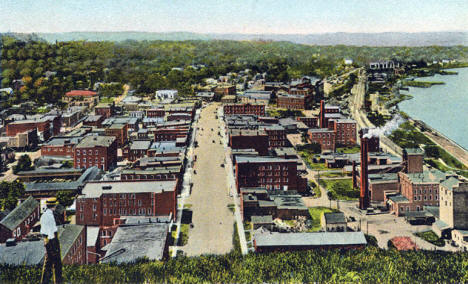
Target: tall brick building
290	101
249	139
345	131
99	151
103	202
269	172
120	132
323	136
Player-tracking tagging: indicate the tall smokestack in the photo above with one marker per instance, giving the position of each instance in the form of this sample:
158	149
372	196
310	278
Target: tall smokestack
364	195
322	114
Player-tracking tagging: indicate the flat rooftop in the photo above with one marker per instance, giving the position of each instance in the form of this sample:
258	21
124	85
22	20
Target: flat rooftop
96	189
273	239
93	141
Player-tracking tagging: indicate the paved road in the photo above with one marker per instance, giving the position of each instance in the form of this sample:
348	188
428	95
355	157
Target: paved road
212	220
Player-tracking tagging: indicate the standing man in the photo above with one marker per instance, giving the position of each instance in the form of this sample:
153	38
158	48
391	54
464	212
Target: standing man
53	259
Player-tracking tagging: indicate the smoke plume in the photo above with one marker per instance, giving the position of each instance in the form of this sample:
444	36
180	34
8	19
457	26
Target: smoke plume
386	129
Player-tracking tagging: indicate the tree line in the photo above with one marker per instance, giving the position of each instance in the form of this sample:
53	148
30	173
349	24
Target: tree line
48	70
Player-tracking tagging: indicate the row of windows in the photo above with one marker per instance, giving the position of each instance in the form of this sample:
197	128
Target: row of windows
426	197
90	160
124	211
30	219
57	149
277	174
270	180
276	167
415	191
90	152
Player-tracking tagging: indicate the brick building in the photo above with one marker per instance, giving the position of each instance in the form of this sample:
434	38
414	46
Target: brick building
345	131
99	151
19	222
269	172
100	204
72	244
42	127
120	132
94	120
155	112
169	133
248	109
311	122
290	101
225	90
326	112
249	139
138	149
105	110
323	136
276	135
60	146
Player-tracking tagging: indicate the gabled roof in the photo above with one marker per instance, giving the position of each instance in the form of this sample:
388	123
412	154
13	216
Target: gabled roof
20	213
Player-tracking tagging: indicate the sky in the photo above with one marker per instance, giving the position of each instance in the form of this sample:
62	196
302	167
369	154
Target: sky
234	16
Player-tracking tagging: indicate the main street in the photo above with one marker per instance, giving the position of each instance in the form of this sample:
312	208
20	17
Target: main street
212	221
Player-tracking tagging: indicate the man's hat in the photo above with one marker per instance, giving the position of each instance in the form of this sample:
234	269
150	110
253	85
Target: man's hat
52	201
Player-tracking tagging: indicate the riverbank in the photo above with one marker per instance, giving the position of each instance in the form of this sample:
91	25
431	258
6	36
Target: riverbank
422	84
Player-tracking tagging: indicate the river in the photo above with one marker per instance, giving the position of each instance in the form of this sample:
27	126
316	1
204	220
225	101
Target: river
443	107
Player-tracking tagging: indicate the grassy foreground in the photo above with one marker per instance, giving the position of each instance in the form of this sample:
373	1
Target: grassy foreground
371	265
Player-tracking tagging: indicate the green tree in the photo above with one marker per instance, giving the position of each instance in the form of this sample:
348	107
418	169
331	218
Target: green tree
24	164
10	192
65	198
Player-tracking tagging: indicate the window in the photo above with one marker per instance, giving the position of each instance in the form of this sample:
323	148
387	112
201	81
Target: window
94	207
77	152
81	216
104	211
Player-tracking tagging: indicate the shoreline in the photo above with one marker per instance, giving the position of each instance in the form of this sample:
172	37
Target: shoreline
436	136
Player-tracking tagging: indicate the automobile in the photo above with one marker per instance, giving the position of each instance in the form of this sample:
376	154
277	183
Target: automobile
213	141
222	165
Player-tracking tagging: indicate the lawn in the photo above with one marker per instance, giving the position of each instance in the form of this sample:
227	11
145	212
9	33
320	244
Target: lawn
341	189
430	236
183	235
332	174
316	215
348	149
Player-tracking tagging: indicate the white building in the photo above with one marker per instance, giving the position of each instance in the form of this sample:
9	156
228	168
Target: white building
166	94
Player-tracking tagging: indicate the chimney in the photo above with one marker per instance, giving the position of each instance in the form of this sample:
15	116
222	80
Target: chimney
364	194
322	114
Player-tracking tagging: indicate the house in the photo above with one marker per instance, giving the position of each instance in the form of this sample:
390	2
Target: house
20	220
334	222
255	97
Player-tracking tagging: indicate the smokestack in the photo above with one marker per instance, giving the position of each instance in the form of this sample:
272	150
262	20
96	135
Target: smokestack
364	194
322	114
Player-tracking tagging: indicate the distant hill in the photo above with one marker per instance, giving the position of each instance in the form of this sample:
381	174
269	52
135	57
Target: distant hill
357	39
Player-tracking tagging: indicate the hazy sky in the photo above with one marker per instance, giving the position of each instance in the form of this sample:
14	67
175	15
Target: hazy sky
234	16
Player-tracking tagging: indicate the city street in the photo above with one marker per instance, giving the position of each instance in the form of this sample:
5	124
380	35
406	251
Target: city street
212	221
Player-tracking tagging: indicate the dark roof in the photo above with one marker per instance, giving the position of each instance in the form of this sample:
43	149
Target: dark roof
133	242
67	236
20	213
334	218
93	141
23	253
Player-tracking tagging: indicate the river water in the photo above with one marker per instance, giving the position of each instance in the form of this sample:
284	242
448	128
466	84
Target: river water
443	107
